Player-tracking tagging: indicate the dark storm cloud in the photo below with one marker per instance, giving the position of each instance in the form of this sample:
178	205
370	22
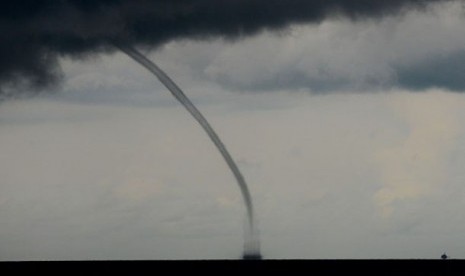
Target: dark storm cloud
440	71
34	33
437	71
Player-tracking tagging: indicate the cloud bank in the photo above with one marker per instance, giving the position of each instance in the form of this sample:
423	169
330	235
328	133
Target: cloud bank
416	51
35	34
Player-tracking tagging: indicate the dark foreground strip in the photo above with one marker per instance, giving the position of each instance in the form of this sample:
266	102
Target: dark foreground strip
247	267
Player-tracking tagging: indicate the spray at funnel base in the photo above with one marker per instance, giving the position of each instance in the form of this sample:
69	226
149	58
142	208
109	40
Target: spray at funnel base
251	243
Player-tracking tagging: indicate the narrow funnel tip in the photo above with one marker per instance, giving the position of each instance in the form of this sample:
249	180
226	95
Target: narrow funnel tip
252	243
256	256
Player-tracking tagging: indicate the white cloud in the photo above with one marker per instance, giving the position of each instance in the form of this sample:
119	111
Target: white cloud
416	166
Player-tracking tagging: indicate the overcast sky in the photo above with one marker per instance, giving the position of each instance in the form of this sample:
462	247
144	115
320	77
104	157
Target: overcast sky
350	135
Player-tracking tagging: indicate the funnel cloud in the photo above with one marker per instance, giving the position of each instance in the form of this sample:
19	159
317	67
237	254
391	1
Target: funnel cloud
251	246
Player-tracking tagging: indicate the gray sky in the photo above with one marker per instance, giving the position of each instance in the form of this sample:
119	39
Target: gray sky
347	133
